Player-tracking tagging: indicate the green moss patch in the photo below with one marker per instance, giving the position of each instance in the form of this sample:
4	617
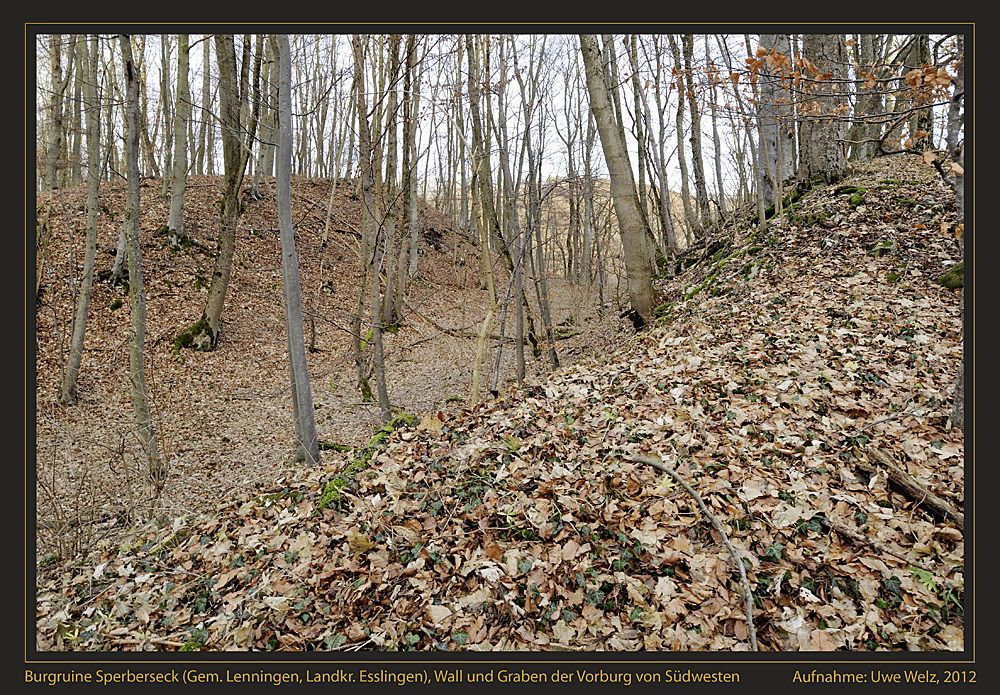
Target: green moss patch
332	496
953	278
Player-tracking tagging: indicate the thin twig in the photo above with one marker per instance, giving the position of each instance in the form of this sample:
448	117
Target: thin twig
747	594
861	538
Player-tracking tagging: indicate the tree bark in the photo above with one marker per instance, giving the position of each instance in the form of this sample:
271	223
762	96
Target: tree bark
631	227
689	212
206	130
77	126
956	151
55	115
182	114
229	101
204	335
697	160
369	242
88	64
137	295
777	125
307	448
388	316
821	135
168	120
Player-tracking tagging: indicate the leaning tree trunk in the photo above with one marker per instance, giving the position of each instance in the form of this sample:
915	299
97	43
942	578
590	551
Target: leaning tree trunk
93	118
205	333
631	227
137	294
307	448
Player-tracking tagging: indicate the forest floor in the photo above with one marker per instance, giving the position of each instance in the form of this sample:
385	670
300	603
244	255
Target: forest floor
797	379
224	417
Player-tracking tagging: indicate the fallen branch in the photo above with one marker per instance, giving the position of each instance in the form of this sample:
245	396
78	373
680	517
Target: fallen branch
747	594
910	487
463	332
861	538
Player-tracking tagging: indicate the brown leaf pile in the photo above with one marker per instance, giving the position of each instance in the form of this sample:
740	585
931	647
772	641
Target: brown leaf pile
525	524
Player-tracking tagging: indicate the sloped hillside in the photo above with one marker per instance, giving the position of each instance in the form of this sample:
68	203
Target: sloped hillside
796	373
224	418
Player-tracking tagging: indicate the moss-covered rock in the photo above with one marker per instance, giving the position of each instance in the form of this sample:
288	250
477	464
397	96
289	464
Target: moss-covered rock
953	278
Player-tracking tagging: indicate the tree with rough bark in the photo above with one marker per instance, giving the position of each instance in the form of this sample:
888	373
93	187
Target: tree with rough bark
632	229
697	159
690	214
776	129
955	144
54	123
822	131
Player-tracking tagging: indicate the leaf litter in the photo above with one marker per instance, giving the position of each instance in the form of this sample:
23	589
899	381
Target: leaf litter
531	523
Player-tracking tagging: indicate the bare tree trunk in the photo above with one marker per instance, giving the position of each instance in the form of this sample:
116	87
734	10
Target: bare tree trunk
631	227
207	335
307	448
689	213
408	173
55	114
137	294
640	137
179	169
777	125
697	161
204	334
204	148
388	316
412	219
78	127
743	111
862	133
168	120
152	168
956	151
669	238
268	128
821	155
479	133
713	78
368	233
88	65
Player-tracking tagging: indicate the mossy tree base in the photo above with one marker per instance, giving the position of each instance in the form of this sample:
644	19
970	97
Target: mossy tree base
198	337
